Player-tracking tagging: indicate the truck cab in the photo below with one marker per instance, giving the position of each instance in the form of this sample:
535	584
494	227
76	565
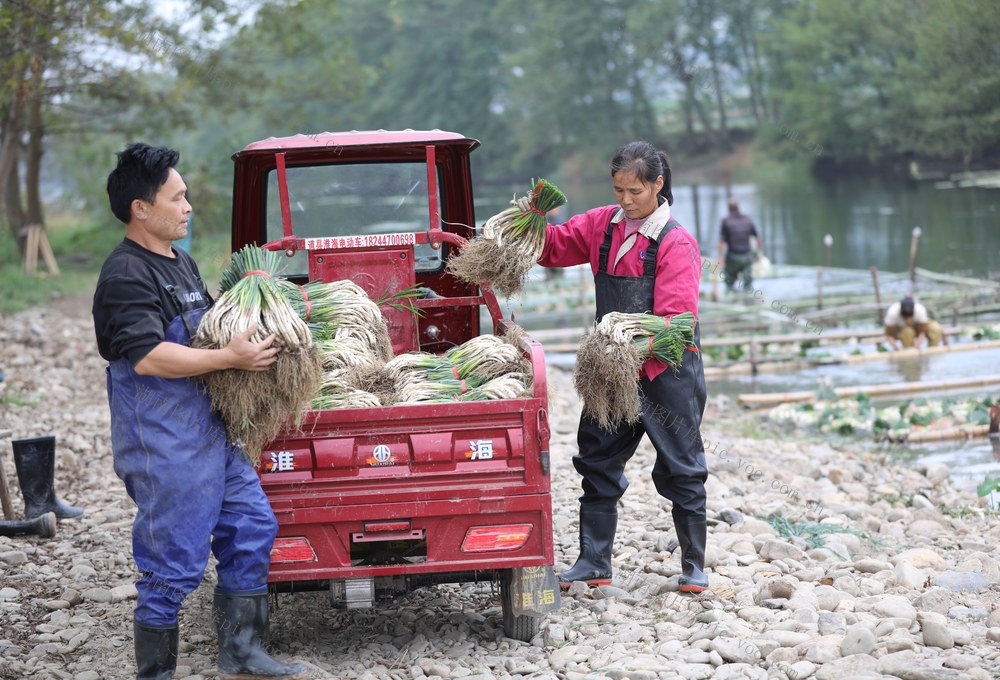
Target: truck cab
372	502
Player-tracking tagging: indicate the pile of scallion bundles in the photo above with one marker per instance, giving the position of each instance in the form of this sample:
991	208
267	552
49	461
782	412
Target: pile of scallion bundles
254	405
485	367
339	390
355	377
341	312
353	342
610	359
510	244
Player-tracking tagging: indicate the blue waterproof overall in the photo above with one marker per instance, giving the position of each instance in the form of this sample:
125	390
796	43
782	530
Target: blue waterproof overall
194	490
672	407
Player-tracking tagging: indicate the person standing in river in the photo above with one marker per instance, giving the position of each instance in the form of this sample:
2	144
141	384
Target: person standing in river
735	246
643	261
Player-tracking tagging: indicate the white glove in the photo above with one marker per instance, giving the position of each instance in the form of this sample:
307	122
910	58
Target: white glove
523	204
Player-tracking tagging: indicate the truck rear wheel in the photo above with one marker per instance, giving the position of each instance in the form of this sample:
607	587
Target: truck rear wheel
517	627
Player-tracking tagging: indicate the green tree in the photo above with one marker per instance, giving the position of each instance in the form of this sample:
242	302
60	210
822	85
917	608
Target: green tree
574	79
953	82
66	66
434	64
881	79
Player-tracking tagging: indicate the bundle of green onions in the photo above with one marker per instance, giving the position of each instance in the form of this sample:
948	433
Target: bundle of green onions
508	386
485	367
255	405
652	337
510	244
428	377
486	356
339	390
527	229
610	359
341	310
353	341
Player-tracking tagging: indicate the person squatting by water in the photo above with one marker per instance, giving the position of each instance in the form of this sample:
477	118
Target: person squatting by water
643	261
907	324
194	490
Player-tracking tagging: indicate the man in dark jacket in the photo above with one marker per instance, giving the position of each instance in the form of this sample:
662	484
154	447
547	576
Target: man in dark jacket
194	490
734	245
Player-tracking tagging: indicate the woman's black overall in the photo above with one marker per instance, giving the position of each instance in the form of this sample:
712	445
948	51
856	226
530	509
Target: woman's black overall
672	407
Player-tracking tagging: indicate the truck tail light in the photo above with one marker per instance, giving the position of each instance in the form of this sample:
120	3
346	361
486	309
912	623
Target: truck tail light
292	550
506	537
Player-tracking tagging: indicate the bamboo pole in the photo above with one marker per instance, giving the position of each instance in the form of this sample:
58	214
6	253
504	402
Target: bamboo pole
880	316
780	338
559	339
47	254
960	280
961	432
744	368
35	243
755	400
31	250
912	352
914	245
697	212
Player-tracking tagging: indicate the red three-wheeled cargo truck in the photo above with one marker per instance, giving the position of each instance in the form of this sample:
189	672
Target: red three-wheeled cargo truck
372	502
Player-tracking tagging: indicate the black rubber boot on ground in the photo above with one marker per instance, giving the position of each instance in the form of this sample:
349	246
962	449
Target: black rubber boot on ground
155	652
43	525
597	538
691	534
35	460
240	620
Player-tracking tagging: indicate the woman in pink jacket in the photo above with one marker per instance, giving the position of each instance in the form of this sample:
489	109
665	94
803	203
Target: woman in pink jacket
643	261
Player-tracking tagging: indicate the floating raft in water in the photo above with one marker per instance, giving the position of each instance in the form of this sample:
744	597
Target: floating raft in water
775	398
917	420
776	366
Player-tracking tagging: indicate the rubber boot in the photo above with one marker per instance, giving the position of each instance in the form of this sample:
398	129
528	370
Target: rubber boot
43	525
240	619
155	652
597	538
35	460
691	534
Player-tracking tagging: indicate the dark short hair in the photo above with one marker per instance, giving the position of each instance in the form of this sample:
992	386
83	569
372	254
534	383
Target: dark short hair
642	159
906	306
142	170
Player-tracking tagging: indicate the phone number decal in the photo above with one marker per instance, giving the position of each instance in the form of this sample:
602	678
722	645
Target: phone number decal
368	241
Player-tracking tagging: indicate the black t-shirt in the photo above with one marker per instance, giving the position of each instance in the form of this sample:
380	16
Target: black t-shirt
737	229
138	294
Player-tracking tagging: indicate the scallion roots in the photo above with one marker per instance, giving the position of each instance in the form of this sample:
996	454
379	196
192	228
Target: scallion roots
255	405
610	359
510	243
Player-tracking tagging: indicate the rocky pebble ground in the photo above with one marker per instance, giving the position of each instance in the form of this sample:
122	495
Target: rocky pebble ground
825	562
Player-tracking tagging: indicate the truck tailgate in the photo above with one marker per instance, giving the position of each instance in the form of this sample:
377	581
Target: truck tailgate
425	473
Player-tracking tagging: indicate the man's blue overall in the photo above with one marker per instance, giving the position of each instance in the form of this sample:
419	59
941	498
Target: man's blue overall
194	490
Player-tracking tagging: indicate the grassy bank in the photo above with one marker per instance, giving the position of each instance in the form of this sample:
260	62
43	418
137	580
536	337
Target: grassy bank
80	250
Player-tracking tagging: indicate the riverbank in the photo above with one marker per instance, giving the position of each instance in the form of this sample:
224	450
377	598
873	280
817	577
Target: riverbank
825	561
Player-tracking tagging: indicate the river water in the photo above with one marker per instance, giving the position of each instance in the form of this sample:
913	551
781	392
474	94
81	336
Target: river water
871	220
